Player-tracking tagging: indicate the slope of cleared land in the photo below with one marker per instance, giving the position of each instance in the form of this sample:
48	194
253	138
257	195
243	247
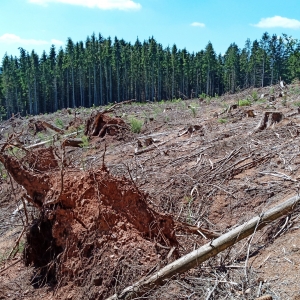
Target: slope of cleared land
124	204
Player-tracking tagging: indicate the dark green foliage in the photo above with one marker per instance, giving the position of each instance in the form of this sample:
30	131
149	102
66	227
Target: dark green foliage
101	71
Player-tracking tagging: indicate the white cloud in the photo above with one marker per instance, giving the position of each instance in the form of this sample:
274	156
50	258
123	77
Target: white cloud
102	4
57	42
197	24
278	21
9	38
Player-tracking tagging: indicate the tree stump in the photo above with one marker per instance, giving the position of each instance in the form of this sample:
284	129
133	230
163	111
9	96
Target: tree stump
102	124
269	118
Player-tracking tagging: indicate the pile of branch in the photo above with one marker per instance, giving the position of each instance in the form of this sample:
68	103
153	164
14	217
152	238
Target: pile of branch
207	251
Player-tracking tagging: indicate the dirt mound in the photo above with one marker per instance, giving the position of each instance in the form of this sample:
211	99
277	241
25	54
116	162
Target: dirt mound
102	124
94	229
41	159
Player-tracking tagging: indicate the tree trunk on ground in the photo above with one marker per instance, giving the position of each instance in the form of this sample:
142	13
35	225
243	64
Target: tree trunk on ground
198	256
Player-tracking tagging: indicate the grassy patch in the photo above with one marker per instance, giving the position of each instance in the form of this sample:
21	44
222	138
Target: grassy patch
255	95
59	123
85	142
193	107
135	124
176	100
222	121
244	102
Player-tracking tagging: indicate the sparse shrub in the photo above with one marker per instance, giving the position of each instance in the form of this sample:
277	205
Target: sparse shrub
208	100
193	108
85	141
203	96
81	127
183	104
244	102
297	104
59	123
135	125
255	96
176	100
222	121
41	136
283	102
296	81
3	172
263	100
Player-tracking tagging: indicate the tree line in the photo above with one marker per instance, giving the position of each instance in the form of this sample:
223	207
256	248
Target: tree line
101	71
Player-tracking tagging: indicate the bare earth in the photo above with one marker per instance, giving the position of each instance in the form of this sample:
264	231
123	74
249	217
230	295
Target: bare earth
104	215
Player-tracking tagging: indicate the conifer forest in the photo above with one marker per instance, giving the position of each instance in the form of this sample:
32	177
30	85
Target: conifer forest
100	70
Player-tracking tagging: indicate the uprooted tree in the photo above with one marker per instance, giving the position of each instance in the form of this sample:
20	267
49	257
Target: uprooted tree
93	229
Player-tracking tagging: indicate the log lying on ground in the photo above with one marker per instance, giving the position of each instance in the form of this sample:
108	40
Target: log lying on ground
51	140
72	143
54	128
112	108
198	256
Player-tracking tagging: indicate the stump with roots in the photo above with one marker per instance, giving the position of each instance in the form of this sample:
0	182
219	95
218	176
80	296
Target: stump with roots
102	124
268	119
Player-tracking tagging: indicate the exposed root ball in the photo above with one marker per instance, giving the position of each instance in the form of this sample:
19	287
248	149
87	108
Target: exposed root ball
41	250
101	124
95	230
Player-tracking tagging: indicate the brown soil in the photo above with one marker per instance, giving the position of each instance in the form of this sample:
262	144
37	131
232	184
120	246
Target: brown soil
91	226
96	229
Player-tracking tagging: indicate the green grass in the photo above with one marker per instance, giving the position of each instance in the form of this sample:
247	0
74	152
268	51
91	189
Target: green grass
222	121
244	102
3	172
261	101
203	96
208	100
135	124
59	123
19	249
255	95
85	142
176	100
297	103
41	136
295	90
193	107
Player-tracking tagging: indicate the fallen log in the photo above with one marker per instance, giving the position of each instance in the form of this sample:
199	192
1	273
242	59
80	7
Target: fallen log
72	143
198	256
112	108
54	128
51	140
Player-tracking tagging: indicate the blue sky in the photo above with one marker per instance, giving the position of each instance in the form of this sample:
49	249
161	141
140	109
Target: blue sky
190	24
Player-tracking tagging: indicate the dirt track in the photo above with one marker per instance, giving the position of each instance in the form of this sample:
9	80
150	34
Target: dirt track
200	169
